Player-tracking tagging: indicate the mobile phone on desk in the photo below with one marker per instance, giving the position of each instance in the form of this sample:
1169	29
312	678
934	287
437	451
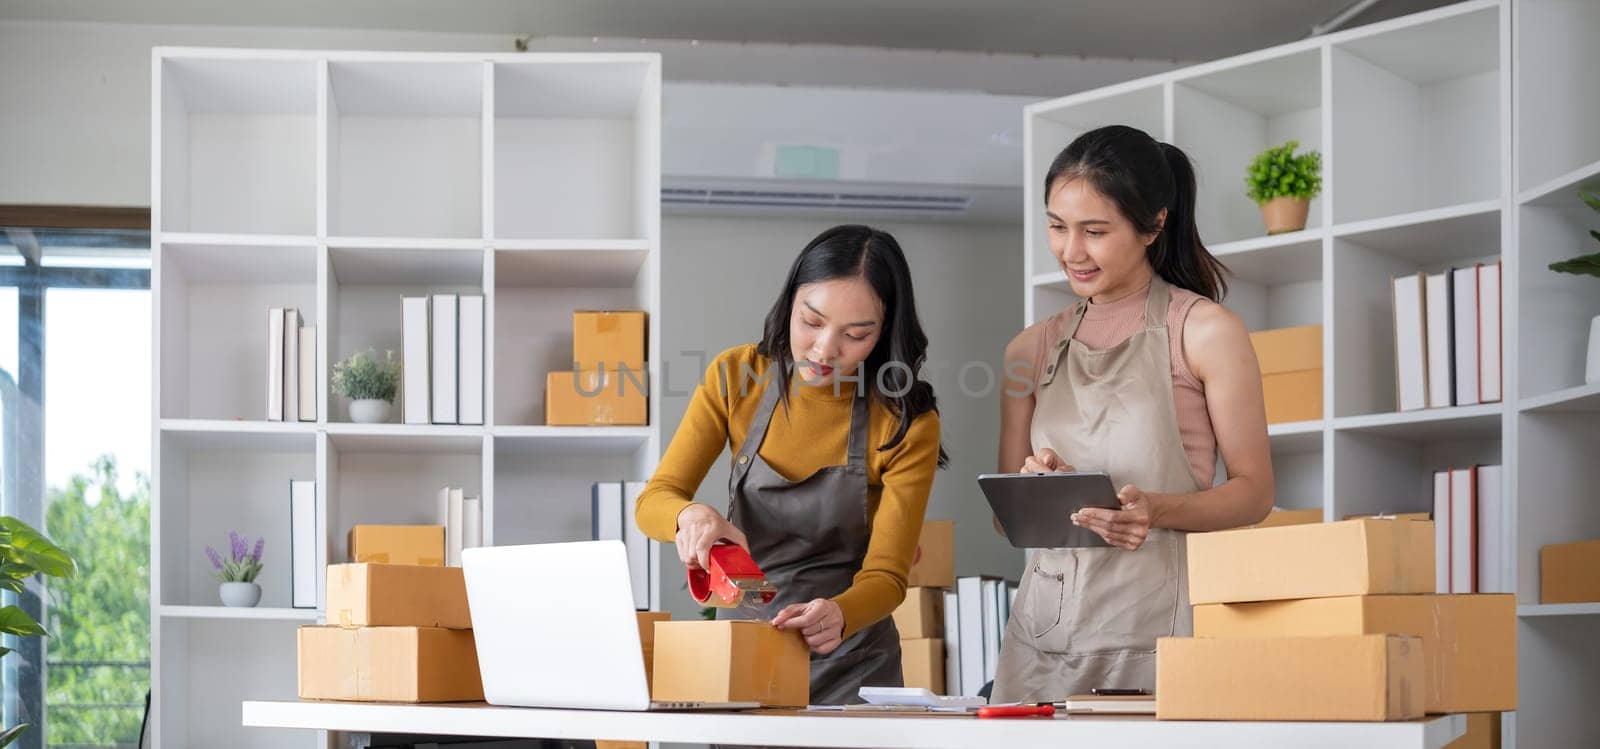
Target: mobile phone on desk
1115	692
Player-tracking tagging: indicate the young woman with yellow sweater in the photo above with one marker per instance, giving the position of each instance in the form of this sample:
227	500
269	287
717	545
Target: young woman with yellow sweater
835	445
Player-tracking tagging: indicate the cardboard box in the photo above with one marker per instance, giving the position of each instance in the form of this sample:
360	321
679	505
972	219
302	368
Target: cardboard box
1278	518
1362	677
921	615
604	339
1469	642
731	661
1483	732
1316	560
397	595
1569	573
647	642
922	661
596	398
934	564
1291	372
398	544
389	664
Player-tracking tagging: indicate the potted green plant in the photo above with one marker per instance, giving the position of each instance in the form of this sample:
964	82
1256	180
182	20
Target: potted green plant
1587	265
369	383
1283	184
25	552
236	575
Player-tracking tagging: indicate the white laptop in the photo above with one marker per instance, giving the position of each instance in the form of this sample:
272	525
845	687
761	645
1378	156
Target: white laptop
555	627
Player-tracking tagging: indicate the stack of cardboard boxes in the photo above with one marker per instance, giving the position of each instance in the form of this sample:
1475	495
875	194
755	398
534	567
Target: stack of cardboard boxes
1333	621
608	386
920	618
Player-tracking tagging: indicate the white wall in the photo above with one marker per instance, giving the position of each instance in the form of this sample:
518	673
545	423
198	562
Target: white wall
721	275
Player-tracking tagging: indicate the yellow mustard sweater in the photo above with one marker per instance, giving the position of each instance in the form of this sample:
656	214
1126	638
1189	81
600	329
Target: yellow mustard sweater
812	434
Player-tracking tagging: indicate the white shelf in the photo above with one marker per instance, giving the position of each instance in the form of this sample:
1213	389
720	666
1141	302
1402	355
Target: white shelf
1587	176
1271	242
218	435
303	616
1559	609
417	266
429	438
1289	259
405	243
1584	398
1433	236
599	265
1556	108
1296	436
1461	422
548	440
244	240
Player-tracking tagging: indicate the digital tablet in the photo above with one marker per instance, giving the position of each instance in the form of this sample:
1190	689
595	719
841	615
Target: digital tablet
1035	509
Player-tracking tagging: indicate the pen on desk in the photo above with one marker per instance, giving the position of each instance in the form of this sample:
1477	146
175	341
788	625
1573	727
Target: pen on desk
1017	711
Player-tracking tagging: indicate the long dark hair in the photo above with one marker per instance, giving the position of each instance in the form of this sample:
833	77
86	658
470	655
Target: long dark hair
855	251
1143	176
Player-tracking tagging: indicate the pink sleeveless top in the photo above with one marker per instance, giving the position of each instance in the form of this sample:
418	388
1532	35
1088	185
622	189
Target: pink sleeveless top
1106	325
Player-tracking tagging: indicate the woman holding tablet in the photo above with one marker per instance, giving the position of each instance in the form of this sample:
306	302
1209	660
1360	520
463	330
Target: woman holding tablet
836	446
1148	379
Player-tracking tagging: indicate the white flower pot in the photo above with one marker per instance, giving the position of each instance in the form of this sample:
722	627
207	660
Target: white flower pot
369	411
1591	369
243	595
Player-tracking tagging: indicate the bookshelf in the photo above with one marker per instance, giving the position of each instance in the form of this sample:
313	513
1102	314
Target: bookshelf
1452	136
337	182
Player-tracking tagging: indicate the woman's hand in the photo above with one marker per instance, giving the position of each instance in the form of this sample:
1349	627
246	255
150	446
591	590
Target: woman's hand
821	622
1126	528
1045	461
700	528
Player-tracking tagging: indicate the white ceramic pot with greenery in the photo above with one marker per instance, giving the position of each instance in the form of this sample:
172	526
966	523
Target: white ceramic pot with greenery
236	575
369	383
1587	265
1283	183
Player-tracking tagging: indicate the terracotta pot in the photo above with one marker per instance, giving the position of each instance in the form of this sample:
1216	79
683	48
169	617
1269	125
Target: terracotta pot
1285	214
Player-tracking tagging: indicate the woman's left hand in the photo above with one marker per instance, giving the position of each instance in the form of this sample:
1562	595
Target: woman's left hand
1126	528
821	622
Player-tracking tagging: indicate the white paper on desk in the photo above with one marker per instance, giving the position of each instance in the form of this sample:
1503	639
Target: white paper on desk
916	697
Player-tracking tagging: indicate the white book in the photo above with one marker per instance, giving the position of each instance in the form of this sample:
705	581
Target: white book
275	364
605	511
415	361
442	518
452	528
471	365
1465	318
1489	530
291	364
445	372
1410	344
640	568
1489	333
1441	531
991	627
304	559
471	522
1463	516
1439	349
969	602
952	644
307	373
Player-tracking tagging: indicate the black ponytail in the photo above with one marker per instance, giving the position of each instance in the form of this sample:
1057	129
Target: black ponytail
1143	176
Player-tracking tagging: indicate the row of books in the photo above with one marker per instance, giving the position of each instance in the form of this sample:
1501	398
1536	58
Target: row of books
442	362
975	616
1447	338
611	512
462	518
291	366
1467	507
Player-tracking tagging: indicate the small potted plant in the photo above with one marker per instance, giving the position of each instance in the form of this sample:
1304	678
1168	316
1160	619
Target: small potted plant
237	574
1283	184
1587	265
370	384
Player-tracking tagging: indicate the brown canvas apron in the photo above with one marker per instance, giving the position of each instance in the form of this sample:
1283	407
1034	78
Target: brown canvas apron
1086	618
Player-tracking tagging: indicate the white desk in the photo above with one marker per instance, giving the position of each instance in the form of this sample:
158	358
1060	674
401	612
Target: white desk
839	730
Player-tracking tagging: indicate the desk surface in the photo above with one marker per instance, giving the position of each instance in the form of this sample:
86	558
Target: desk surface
839	730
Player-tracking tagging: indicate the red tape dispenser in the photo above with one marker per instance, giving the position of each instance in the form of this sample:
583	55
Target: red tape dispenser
733	580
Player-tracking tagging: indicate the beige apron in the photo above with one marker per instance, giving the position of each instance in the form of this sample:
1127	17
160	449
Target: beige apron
1086	618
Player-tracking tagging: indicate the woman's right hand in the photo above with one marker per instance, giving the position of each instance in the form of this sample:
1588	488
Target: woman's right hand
700	528
1045	461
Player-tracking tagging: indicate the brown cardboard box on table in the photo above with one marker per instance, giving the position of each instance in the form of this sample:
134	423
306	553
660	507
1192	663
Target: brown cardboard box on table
922	661
1569	573
398	544
1469	642
1483	732
934	563
921	614
596	398
1355	678
397	595
389	664
731	661
1316	560
647	641
608	339
1278	518
1291	372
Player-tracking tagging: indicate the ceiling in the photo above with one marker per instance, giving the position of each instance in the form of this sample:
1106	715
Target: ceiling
1188	30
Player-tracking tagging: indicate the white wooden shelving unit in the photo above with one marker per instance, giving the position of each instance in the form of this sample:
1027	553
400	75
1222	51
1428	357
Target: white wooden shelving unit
337	182
1448	137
